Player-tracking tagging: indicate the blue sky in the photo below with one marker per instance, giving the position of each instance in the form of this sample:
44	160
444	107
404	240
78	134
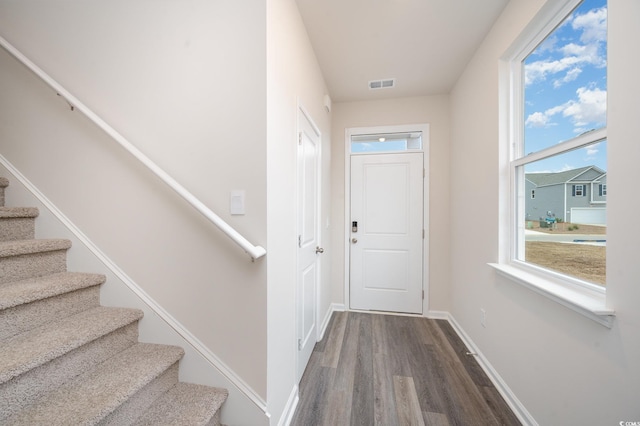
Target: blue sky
566	88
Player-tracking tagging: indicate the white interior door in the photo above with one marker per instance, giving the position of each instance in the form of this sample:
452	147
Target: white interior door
387	232
308	270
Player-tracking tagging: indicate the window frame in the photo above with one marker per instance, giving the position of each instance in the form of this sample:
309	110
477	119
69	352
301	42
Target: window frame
585	298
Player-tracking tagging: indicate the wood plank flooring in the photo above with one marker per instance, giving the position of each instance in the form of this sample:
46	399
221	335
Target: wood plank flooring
373	369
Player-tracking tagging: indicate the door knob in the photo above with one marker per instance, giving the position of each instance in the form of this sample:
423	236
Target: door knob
319	250
354	240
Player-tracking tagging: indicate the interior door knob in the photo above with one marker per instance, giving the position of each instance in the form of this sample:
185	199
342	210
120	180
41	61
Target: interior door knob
319	250
354	240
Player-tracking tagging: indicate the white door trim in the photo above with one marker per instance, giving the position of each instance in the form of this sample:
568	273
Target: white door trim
404	128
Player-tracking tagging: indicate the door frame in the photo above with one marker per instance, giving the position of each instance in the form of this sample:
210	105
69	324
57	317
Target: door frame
302	113
403	128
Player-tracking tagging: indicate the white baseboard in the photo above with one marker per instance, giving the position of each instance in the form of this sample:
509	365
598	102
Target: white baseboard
334	307
338	307
290	408
441	315
514	403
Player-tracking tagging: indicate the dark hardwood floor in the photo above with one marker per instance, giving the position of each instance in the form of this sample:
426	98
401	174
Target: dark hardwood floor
373	369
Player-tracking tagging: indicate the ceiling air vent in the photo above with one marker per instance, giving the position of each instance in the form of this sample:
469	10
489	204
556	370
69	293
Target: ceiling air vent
382	84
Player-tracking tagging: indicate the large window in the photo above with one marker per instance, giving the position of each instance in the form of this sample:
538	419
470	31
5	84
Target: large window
553	157
559	148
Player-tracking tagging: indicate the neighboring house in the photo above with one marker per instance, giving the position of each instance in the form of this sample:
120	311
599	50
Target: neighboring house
576	195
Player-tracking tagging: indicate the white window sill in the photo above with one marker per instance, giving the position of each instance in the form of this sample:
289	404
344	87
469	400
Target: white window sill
590	303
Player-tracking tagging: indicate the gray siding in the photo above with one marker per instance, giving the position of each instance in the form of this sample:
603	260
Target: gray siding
599	193
547	198
578	200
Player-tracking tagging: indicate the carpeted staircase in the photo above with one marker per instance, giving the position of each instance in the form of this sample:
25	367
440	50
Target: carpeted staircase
66	360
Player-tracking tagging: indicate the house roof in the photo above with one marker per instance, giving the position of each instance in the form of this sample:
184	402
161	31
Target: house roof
573	175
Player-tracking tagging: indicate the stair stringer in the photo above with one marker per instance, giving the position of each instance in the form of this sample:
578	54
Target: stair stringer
199	365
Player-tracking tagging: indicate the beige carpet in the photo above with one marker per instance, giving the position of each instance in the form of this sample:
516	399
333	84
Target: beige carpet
66	360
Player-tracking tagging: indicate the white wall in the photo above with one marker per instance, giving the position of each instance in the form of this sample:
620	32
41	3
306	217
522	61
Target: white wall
564	368
293	78
433	110
185	82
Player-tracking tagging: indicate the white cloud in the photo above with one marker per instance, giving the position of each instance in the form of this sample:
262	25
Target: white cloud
593	25
537	119
542	119
538	70
589	108
585	53
571	75
574	56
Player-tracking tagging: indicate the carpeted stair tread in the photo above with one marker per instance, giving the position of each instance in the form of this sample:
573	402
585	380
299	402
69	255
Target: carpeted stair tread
21	247
184	404
17	223
31	349
13	212
26	291
92	396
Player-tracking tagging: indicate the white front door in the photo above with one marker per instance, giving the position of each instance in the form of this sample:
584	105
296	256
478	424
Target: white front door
308	270
386	236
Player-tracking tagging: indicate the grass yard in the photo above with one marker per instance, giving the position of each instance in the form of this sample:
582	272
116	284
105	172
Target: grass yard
580	260
569	228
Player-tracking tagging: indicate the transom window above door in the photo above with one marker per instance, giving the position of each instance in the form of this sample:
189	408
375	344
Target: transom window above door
386	142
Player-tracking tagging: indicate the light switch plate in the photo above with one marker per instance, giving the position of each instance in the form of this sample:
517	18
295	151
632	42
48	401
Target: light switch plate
236	202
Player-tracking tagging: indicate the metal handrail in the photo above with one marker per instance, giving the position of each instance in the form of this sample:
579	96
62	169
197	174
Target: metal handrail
255	252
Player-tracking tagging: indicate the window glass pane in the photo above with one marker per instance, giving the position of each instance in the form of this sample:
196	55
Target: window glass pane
565	79
565	223
385	142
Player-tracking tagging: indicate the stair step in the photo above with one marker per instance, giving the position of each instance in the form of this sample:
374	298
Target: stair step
17	223
186	403
15	212
41	345
22	247
24	259
39	361
30	303
109	393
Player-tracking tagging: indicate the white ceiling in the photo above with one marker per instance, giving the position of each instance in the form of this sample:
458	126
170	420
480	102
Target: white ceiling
423	44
